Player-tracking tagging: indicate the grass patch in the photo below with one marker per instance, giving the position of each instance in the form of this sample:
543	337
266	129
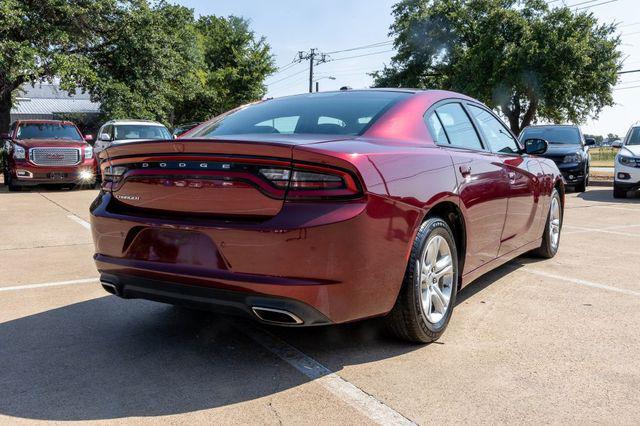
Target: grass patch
603	156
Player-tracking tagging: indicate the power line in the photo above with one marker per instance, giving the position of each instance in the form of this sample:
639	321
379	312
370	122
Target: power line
594	5
628	71
367	46
285	78
360	56
314	58
583	2
623	88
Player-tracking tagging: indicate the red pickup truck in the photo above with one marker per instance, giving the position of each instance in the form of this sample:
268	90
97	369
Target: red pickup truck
47	152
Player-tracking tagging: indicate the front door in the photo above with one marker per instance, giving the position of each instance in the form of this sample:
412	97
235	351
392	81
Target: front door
523	172
481	183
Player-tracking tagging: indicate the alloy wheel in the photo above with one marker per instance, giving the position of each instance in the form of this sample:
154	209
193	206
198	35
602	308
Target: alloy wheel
436	278
554	223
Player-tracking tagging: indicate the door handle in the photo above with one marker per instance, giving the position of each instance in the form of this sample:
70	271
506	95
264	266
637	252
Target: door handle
512	176
465	170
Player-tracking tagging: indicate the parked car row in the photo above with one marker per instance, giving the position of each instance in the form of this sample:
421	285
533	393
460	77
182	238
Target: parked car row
45	152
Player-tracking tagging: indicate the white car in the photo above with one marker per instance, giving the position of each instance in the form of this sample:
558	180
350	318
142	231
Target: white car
627	164
124	131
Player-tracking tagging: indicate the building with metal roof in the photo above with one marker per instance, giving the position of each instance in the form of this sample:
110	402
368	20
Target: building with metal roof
48	101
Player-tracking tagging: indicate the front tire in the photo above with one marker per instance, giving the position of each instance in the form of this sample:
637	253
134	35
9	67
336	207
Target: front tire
428	294
619	192
8	180
551	238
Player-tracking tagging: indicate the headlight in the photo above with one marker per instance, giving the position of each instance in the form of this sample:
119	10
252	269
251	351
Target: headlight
19	153
572	158
626	161
88	152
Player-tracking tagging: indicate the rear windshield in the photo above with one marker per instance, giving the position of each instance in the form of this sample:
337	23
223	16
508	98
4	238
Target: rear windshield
558	135
634	137
140	131
336	113
48	131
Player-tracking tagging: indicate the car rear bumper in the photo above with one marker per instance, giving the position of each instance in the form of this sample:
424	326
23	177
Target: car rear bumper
267	309
345	260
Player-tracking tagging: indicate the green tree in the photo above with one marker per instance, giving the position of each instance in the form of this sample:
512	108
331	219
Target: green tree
150	64
519	56
235	65
48	39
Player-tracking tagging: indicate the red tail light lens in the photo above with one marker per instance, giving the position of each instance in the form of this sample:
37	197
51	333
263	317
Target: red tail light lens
313	182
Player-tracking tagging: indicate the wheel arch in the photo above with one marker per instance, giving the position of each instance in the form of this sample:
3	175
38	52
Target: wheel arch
450	212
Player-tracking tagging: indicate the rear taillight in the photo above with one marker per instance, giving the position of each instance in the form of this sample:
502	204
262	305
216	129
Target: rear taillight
312	182
113	173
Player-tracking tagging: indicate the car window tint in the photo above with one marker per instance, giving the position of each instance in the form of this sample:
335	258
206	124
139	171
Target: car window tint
458	125
285	125
435	128
499	138
634	137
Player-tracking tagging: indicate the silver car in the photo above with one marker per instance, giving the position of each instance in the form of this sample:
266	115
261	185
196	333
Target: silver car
124	131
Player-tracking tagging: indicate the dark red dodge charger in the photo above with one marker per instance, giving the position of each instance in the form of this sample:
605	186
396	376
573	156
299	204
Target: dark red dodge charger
327	208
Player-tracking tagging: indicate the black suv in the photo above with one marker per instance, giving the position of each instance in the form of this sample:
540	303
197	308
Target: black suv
568	148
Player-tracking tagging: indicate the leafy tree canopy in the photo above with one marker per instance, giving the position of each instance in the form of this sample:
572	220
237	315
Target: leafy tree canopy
139	59
519	56
47	39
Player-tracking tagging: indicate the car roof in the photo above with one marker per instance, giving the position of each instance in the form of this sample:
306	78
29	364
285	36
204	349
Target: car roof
146	122
554	125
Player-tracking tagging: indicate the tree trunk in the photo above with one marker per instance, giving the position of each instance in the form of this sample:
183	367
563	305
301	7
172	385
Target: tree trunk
5	110
530	114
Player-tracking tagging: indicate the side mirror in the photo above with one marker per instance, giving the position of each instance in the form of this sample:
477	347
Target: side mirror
535	146
105	137
589	142
88	138
616	144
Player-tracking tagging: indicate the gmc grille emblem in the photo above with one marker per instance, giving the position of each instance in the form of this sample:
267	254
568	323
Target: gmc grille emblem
54	156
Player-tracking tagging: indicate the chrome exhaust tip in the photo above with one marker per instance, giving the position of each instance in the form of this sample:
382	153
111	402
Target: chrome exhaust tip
110	288
276	316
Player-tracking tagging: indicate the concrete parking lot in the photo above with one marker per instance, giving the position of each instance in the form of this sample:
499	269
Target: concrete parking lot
554	341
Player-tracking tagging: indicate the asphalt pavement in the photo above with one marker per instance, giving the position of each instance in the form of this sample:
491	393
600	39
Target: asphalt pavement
552	341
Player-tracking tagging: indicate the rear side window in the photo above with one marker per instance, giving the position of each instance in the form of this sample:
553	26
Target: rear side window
495	132
458	126
436	129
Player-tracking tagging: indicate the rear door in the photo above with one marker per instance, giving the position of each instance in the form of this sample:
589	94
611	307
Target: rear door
481	182
523	172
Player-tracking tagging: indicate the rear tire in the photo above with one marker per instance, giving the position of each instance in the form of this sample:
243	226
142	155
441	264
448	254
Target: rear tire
619	192
419	314
553	228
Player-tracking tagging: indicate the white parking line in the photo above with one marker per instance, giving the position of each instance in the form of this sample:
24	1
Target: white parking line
583	282
80	221
366	404
49	284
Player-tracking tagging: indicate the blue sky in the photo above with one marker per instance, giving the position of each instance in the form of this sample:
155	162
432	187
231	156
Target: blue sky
333	25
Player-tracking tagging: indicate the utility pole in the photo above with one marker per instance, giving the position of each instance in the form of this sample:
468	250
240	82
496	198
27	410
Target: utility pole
314	58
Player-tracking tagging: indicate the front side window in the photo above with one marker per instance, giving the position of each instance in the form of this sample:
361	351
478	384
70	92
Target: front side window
343	113
139	131
634	137
458	126
496	134
49	131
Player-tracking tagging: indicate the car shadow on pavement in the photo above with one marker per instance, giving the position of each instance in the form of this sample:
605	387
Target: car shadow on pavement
605	195
109	358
